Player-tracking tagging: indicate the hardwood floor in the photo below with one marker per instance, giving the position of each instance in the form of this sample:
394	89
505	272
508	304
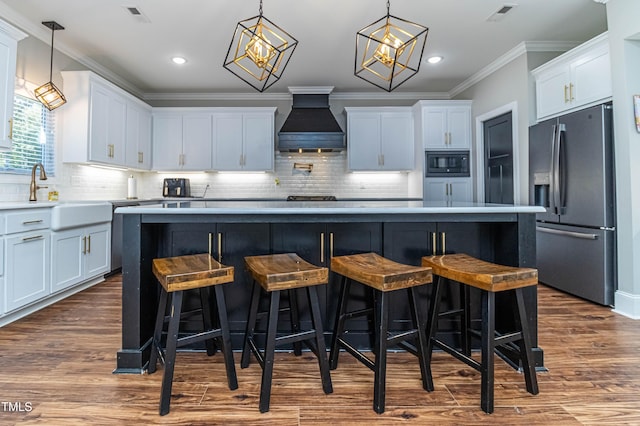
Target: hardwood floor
56	368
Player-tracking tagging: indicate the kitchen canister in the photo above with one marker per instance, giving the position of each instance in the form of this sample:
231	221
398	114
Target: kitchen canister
131	188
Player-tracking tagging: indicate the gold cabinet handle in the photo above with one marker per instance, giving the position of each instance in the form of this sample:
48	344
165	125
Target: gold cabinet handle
220	247
330	244
11	128
89	244
566	98
443	239
84	245
322	247
433	243
140	157
571	98
35	237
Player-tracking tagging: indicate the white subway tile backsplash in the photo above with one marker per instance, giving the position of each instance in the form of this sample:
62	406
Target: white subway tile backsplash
329	176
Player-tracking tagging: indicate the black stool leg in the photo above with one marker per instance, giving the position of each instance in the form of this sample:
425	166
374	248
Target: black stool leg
465	321
380	369
206	319
528	367
421	341
269	351
251	325
432	319
294	316
316	320
156	347
170	358
487	350
226	338
338	328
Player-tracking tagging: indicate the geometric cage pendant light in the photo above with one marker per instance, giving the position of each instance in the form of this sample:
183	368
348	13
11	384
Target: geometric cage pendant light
48	93
389	51
259	51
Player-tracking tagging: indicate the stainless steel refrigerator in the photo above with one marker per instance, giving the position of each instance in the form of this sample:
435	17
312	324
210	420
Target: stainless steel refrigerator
571	173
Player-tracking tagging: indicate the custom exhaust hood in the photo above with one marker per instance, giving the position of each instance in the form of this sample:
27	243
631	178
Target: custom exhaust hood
310	126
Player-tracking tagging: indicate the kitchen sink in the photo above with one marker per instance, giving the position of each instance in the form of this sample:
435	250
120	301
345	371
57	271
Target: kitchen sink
74	214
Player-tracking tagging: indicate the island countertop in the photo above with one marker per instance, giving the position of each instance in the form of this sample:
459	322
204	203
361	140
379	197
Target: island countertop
323	207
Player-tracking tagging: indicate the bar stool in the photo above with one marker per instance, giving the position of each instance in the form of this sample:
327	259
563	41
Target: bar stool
273	274
490	278
177	274
383	276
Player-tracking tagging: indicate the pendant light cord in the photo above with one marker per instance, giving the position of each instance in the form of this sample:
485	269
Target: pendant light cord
51	60
260	10
388	6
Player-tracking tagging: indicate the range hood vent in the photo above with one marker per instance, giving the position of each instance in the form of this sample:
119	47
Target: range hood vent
311	126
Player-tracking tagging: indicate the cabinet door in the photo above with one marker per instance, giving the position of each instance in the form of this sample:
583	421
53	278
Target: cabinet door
435	128
397	141
363	144
459	128
117	132
97	251
591	77
138	138
227	142
460	189
167	142
258	142
237	241
552	91
28	268
66	258
99	149
436	190
197	138
8	49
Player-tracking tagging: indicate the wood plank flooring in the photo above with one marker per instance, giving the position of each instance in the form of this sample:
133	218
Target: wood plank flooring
59	362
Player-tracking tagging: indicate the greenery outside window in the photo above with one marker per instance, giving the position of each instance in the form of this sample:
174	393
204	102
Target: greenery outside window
33	138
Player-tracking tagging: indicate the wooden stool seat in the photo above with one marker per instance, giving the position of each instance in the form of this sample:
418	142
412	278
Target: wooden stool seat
284	271
380	273
189	272
478	273
489	278
273	274
383	276
175	275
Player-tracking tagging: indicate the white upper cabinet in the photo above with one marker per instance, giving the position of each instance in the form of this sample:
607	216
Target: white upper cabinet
102	123
448	189
138	138
244	139
574	80
9	37
445	124
181	140
380	139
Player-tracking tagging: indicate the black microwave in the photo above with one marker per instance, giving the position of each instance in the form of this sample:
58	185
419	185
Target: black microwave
446	163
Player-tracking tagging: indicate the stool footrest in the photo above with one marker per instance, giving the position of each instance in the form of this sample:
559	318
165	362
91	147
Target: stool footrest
357	354
395	339
457	354
198	337
296	337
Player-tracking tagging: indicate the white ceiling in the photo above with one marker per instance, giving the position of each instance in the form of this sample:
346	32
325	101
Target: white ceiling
102	35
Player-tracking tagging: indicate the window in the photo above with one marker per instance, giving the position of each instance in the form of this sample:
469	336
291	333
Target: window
33	138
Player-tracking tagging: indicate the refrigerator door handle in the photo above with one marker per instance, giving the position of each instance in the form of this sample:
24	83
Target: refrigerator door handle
561	186
567	233
552	172
555	168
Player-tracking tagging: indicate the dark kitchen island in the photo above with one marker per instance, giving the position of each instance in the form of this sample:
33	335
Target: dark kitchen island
403	231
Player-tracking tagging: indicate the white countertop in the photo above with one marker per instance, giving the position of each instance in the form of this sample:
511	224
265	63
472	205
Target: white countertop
323	207
17	205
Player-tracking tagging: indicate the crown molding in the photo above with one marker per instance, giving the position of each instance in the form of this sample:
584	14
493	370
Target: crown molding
282	96
41	33
521	48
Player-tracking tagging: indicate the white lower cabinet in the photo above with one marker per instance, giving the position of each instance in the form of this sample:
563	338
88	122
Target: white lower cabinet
79	254
27	268
448	190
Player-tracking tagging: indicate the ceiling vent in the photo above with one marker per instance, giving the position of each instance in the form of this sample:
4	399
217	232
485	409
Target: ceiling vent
136	13
500	13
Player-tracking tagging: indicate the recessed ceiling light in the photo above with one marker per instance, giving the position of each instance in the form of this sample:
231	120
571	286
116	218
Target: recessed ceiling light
434	59
178	60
